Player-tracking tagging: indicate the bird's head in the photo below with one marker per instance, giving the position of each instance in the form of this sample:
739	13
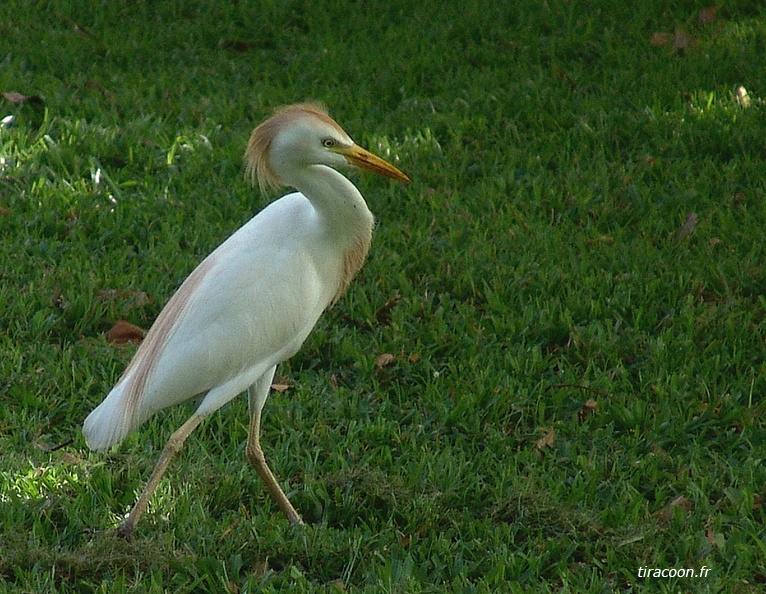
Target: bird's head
302	135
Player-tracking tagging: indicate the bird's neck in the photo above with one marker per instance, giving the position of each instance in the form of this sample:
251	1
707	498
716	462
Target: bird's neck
337	201
348	220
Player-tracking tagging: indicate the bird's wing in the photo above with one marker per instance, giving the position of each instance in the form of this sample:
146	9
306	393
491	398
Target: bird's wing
249	305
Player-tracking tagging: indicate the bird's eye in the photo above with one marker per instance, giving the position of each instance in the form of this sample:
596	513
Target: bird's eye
328	142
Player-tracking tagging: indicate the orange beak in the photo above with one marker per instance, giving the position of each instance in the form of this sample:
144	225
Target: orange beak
364	159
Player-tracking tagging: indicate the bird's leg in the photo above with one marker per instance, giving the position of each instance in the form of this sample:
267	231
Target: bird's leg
174	445
258	460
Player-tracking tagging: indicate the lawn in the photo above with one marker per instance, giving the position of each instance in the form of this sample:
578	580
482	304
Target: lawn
548	377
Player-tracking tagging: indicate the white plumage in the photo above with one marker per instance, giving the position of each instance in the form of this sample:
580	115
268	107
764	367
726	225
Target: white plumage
213	333
253	301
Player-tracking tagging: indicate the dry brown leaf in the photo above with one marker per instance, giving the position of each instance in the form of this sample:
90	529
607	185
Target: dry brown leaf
14	97
261	567
590	407
665	515
123	332
546	440
18	98
660	39
280	383
709	15
384	360
688	226
70	458
711	537
681	40
383	315
239	45
565	76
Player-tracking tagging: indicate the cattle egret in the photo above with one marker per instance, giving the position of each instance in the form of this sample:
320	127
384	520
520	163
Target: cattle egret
252	302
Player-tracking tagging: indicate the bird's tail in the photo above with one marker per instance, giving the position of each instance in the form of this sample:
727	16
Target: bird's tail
112	420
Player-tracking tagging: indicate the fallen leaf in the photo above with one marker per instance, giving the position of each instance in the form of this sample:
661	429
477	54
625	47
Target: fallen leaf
546	440
261	567
660	39
590	407
688	226
280	383
709	15
70	458
711	537
123	332
383	315
565	76
665	515
681	41
384	360
18	98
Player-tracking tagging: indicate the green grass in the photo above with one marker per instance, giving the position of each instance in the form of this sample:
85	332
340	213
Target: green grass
539	258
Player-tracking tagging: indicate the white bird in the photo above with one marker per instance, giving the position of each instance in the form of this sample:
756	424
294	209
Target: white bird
252	302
